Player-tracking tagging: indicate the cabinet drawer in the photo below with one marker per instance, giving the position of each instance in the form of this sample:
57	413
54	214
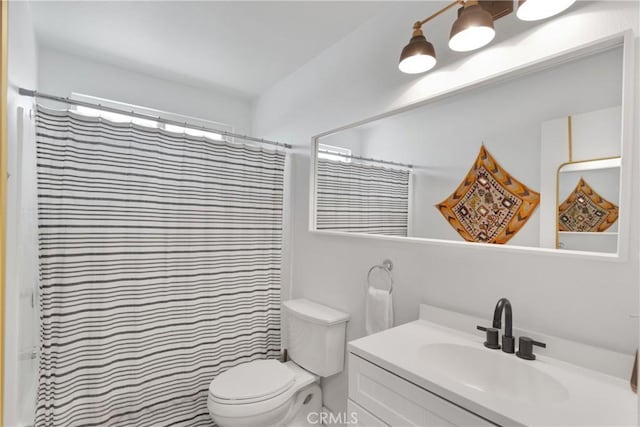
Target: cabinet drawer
398	402
362	417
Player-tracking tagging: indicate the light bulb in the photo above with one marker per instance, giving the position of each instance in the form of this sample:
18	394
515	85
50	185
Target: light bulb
534	10
471	39
417	64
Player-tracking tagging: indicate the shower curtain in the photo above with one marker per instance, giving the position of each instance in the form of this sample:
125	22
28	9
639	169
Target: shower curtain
362	198
160	260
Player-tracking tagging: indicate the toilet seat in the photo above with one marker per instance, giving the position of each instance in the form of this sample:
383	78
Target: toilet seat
252	382
235	408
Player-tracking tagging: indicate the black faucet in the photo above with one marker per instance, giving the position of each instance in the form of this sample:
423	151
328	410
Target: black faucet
526	344
508	341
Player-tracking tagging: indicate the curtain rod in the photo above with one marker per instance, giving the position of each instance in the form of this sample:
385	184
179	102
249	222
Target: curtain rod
368	159
67	100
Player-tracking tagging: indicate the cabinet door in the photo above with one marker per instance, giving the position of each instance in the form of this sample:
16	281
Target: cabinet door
398	402
361	417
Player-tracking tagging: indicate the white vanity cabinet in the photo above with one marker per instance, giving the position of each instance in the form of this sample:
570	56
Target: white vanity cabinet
380	398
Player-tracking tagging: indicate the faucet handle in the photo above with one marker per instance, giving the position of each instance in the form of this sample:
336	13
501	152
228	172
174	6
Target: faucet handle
525	348
508	344
492	337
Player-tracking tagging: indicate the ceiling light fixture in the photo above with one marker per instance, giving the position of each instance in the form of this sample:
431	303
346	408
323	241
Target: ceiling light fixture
535	10
419	55
473	29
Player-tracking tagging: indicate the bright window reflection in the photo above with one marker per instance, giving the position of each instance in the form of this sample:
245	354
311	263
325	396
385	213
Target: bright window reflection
332	152
124	118
115	117
193	132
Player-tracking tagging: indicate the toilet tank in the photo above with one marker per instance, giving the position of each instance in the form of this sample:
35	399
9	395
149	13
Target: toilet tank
315	336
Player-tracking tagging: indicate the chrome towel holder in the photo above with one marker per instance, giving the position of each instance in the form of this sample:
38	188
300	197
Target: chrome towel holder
386	266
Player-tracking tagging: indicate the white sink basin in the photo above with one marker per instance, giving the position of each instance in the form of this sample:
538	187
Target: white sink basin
494	372
453	364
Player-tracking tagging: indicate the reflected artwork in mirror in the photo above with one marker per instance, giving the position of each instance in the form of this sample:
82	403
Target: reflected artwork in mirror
588	198
406	173
490	205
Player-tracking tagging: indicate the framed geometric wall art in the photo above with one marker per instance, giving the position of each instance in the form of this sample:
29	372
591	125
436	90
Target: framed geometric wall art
490	205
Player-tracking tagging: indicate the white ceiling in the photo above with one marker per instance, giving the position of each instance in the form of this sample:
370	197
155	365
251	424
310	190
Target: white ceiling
236	46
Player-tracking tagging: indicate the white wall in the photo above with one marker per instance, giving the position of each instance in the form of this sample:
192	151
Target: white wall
584	300
21	320
62	74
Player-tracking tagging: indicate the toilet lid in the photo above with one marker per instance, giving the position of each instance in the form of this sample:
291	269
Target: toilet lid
252	381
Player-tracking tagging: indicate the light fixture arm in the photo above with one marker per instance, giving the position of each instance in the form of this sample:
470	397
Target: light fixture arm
419	24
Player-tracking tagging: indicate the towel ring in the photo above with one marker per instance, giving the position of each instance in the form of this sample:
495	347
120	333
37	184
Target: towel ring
386	266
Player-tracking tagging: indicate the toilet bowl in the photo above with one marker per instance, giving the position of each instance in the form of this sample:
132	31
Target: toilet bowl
264	393
270	393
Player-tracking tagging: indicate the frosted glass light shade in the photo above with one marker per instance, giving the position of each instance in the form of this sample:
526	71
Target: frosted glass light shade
418	56
535	10
472	30
471	39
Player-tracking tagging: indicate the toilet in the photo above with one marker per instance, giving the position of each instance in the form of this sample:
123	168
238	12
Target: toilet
271	393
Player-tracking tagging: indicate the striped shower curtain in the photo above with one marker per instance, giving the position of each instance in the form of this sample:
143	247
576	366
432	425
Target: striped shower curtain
160	260
362	198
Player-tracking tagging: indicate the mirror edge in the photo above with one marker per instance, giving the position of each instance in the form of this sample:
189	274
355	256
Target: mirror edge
627	154
313	169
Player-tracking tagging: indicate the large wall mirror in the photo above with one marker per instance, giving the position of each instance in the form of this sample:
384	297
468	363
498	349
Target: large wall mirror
535	158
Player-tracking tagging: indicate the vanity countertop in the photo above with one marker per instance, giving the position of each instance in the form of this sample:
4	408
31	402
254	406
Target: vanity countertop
586	397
